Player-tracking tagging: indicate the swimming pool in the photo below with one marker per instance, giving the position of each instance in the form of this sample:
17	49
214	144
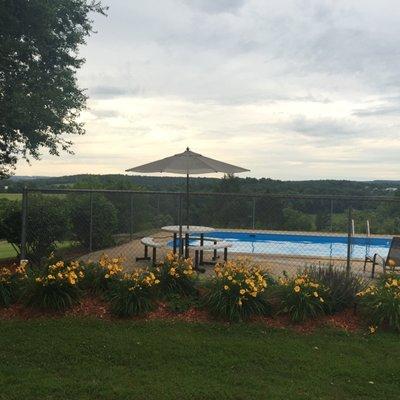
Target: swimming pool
302	245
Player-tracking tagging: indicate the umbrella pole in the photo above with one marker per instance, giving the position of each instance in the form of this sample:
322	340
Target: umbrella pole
187	217
180	227
187	200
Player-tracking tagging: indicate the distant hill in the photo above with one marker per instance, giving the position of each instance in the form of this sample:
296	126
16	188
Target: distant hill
387	182
25	178
204	184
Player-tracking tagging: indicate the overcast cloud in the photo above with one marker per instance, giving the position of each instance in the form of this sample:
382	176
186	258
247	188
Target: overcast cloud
289	89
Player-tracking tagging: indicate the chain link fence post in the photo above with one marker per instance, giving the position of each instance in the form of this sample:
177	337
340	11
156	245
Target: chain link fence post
180	225
253	215
349	238
91	223
24	222
131	218
330	227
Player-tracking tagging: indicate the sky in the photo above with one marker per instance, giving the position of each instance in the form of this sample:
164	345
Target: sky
290	89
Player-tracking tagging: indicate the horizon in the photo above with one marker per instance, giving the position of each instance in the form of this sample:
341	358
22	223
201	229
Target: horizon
293	90
209	176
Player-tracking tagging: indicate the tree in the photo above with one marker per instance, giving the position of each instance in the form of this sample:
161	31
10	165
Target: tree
269	213
323	221
104	220
39	97
47	224
296	220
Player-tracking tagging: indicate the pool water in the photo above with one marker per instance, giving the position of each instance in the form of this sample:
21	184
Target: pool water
304	245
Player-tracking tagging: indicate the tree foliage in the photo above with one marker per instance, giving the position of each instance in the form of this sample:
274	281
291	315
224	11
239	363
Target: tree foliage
39	96
47	224
104	220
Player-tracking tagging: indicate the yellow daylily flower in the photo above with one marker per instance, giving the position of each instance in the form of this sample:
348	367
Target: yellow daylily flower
372	329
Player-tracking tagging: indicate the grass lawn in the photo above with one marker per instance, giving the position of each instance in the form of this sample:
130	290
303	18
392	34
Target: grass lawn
6	250
93	359
10	196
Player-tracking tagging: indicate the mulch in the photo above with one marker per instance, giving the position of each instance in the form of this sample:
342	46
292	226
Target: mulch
191	315
92	306
89	306
346	320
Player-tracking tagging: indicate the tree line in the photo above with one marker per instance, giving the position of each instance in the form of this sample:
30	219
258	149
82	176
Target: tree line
104	220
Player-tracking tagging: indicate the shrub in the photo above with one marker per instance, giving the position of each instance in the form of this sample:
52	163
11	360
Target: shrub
176	275
342	287
99	275
104	220
302	297
297	220
178	303
55	287
235	293
133	294
10	284
382	302
47	223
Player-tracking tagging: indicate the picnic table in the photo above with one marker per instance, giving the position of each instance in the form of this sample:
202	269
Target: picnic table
186	232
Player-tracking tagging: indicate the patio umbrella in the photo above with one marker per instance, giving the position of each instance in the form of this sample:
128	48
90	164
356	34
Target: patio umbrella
188	163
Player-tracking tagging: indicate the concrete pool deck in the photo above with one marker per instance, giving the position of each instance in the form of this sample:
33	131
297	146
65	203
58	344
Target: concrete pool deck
275	263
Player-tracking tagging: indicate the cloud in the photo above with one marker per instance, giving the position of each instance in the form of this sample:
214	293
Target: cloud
112	91
274	85
386	107
378	111
326	128
216	6
105	113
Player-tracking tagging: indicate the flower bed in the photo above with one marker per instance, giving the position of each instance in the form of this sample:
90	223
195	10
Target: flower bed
302	298
176	275
238	291
56	287
133	294
381	303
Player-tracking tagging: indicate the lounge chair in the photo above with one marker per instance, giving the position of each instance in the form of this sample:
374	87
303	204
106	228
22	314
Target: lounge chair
392	261
149	242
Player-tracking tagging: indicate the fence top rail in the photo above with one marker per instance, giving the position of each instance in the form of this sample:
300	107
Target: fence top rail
298	196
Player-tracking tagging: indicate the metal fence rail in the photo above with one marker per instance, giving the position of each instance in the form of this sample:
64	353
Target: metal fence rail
283	232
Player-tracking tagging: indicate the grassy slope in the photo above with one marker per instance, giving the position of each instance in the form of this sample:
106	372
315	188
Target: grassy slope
10	196
6	250
93	359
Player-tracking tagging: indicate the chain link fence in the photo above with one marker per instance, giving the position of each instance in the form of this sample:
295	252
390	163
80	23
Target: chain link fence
281	232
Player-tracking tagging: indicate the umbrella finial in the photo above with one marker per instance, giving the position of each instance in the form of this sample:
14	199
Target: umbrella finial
187	148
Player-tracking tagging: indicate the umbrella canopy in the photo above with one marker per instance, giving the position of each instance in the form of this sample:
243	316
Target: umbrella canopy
188	163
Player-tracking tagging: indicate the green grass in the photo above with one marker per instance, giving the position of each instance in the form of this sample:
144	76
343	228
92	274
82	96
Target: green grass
6	250
10	196
94	359
18	196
